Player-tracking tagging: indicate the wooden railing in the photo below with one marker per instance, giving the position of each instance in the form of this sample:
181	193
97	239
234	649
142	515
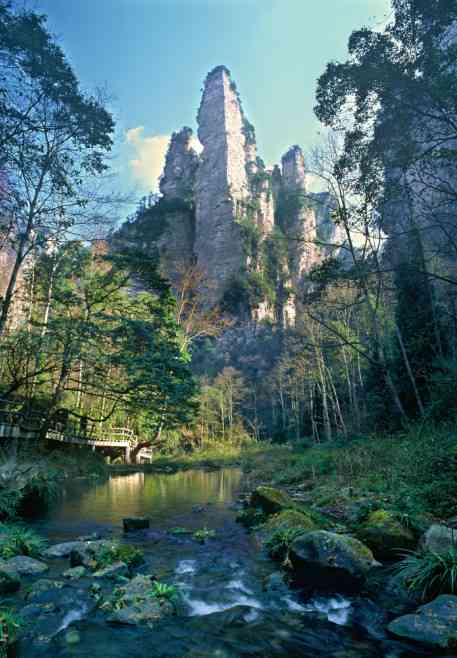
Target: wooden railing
20	424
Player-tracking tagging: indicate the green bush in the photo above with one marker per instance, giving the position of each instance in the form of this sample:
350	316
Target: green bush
17	540
120	553
429	573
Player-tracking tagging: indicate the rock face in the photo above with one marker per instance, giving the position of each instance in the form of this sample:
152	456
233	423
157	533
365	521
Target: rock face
176	241
222	183
218	209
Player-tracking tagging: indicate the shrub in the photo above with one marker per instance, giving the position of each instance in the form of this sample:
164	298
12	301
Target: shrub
429	573
120	552
17	540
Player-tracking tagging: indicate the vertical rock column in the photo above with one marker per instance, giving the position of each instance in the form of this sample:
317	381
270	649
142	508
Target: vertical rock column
299	220
222	184
176	244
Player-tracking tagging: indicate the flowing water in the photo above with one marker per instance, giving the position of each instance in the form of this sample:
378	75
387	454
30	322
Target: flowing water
233	606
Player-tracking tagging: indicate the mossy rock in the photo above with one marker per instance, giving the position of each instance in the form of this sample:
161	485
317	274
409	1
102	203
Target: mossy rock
271	500
278	533
291	519
385	535
326	560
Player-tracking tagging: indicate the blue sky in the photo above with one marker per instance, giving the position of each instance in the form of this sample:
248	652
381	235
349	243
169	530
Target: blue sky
152	56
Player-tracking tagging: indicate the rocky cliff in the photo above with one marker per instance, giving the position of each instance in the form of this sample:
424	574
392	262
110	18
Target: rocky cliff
252	232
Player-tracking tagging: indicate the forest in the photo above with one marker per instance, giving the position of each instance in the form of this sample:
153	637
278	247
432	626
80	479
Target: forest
352	407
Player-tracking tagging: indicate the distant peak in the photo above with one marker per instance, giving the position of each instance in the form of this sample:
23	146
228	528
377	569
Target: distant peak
218	71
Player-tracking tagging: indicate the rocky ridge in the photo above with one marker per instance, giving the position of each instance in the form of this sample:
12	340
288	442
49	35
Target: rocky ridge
224	212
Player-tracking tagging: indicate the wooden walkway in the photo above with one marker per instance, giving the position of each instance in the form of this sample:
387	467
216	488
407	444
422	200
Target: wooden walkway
15	425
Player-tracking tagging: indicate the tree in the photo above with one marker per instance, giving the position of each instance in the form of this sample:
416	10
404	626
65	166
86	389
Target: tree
53	139
395	99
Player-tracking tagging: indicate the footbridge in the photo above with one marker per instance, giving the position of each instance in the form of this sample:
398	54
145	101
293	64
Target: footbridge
20	425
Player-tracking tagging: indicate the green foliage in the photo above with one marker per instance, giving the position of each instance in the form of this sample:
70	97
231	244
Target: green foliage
132	556
11	624
165	592
203	534
17	540
151	219
429	573
280	540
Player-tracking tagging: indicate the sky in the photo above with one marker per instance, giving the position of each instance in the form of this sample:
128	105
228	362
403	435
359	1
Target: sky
151	56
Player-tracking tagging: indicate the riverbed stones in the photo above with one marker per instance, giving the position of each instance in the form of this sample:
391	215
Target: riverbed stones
439	539
112	571
75	573
64	549
136	606
135	523
88	553
385	535
330	561
434	624
9	578
44	590
27	566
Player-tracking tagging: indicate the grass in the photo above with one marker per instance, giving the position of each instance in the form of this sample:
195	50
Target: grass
412	474
428	572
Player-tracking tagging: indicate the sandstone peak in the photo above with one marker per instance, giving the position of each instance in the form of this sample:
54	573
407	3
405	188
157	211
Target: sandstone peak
181	163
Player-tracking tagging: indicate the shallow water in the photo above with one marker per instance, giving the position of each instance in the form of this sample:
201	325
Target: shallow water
228	609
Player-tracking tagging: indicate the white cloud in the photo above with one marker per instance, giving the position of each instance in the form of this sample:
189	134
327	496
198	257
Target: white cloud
315	183
150	152
147	165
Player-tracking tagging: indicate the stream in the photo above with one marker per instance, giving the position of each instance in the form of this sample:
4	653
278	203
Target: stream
234	603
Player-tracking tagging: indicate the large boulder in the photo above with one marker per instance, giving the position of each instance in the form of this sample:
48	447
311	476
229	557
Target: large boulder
434	624
385	535
326	560
439	539
27	566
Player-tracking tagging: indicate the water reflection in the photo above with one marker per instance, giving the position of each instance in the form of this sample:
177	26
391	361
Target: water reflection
146	494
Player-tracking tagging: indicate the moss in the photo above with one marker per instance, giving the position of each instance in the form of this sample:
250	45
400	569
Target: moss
271	500
385	535
292	519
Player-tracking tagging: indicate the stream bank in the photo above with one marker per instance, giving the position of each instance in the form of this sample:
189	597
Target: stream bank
233	601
